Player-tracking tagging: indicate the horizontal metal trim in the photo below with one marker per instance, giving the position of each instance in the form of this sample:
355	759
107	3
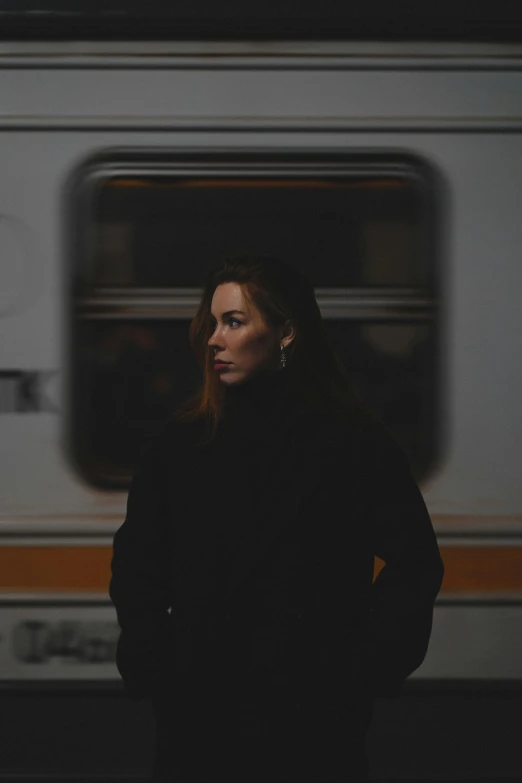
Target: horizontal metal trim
477	525
54	599
190	305
192	296
357	305
478	537
42	51
26	535
52	528
57	540
70	538
480	540
28	530
259	62
368	314
186	305
195	294
262	125
68	598
224	163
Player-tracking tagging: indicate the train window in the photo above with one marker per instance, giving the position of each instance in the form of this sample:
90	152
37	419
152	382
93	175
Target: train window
148	229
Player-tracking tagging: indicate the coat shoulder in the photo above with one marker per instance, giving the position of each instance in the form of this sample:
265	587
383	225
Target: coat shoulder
361	446
361	431
172	443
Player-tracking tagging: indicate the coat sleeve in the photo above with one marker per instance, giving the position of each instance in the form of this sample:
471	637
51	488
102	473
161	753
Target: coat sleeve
404	592
139	586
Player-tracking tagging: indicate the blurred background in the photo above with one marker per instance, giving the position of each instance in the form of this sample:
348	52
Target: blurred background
376	146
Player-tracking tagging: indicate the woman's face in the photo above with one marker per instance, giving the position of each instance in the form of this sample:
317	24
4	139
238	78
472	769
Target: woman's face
241	337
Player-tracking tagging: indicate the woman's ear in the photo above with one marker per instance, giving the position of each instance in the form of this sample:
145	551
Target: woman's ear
287	333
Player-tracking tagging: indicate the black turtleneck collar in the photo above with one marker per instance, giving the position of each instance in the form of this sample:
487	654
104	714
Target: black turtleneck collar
256	389
265	406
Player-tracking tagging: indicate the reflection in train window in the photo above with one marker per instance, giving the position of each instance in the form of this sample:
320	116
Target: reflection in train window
146	233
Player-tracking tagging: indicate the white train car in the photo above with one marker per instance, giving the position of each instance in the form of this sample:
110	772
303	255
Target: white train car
392	174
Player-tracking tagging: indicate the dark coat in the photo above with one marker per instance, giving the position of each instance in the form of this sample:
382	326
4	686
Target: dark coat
252	557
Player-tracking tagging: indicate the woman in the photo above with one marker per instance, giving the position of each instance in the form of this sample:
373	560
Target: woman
242	575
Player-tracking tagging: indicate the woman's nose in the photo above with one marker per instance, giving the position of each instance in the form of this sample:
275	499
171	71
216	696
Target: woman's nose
214	339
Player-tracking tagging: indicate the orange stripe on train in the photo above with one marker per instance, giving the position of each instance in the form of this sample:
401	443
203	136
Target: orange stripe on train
468	569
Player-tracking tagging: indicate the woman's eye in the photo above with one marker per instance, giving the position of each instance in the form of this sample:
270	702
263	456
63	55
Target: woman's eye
231	322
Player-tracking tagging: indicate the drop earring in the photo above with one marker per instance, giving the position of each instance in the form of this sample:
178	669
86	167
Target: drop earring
283	357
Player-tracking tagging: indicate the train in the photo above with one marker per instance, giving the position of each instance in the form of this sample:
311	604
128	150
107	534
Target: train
390	174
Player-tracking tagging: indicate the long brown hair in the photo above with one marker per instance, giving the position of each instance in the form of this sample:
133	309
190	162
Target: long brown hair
281	293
